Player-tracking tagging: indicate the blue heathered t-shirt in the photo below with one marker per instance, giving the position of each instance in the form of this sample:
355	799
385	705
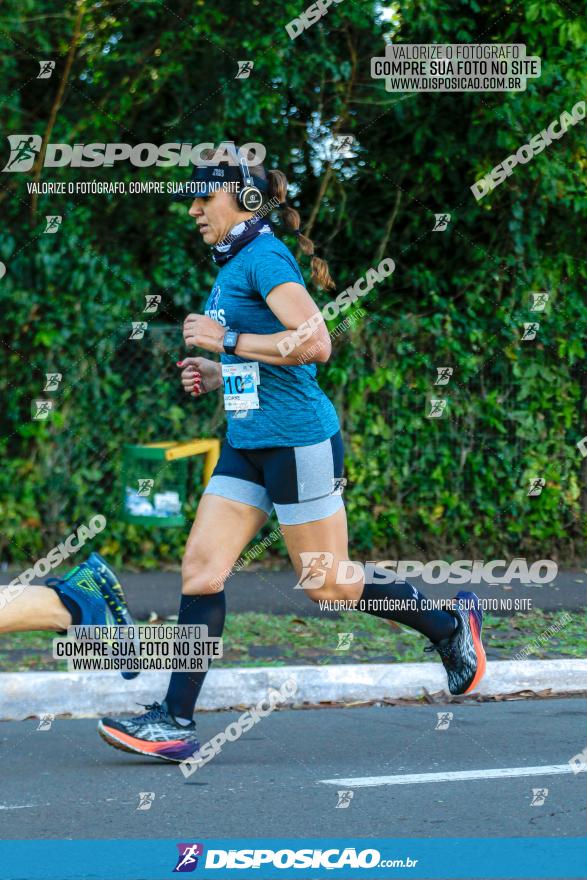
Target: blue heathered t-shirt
293	410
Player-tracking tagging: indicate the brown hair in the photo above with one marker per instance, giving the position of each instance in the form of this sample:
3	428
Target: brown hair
291	219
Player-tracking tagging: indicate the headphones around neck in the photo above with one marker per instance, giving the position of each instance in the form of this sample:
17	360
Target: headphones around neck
249	197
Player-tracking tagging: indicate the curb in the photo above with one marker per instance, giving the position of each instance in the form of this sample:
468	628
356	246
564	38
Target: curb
86	695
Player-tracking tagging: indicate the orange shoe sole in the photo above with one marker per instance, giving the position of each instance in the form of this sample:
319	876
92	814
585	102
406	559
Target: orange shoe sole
479	651
127	743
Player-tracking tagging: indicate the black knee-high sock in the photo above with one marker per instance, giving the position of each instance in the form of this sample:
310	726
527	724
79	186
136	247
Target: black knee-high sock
184	687
434	624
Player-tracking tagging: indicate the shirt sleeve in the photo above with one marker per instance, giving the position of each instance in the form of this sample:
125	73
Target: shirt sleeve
273	267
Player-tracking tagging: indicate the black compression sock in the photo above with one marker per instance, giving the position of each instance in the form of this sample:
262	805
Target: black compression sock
184	687
402	602
72	607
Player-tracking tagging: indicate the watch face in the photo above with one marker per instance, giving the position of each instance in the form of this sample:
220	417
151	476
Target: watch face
230	338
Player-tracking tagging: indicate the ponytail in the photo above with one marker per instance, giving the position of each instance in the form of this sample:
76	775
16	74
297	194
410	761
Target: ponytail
291	220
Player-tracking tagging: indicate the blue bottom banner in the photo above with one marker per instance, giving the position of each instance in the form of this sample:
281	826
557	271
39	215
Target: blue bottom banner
303	858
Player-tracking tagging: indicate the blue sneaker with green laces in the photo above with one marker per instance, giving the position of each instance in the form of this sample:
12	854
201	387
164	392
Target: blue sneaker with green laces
80	588
114	596
88	598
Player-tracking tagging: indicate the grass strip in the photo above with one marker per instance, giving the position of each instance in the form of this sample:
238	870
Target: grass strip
257	639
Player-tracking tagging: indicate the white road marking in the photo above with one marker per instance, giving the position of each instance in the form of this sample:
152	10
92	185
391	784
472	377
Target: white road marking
450	776
18	806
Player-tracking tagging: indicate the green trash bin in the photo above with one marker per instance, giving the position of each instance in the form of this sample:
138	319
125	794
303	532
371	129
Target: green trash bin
154	488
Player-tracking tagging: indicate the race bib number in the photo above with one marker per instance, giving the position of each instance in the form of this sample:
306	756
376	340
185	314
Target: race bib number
240	386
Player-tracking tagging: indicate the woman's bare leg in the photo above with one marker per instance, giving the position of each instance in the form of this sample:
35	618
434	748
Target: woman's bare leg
325	536
35	608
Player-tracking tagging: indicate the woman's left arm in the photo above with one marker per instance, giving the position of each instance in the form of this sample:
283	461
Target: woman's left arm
306	339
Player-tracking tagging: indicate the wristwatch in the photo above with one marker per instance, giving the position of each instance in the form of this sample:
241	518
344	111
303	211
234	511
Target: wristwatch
230	341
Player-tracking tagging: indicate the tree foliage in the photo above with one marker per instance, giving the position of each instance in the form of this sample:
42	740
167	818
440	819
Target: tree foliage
158	72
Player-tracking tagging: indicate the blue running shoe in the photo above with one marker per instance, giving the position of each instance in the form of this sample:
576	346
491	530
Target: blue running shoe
463	655
156	733
82	587
111	589
115	598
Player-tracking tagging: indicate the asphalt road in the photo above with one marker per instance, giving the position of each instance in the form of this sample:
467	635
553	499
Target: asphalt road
273	591
67	783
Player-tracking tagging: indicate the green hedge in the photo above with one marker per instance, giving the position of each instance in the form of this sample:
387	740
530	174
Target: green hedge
455	486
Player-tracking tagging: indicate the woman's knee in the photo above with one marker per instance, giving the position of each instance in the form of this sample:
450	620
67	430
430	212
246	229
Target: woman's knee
202	577
333	591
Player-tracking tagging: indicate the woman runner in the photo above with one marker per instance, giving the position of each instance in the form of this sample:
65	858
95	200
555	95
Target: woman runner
283	449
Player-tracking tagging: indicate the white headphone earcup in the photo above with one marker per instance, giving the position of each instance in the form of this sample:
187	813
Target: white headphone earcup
250	198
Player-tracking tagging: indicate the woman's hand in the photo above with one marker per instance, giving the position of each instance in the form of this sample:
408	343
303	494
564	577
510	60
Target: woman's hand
200	375
204	332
